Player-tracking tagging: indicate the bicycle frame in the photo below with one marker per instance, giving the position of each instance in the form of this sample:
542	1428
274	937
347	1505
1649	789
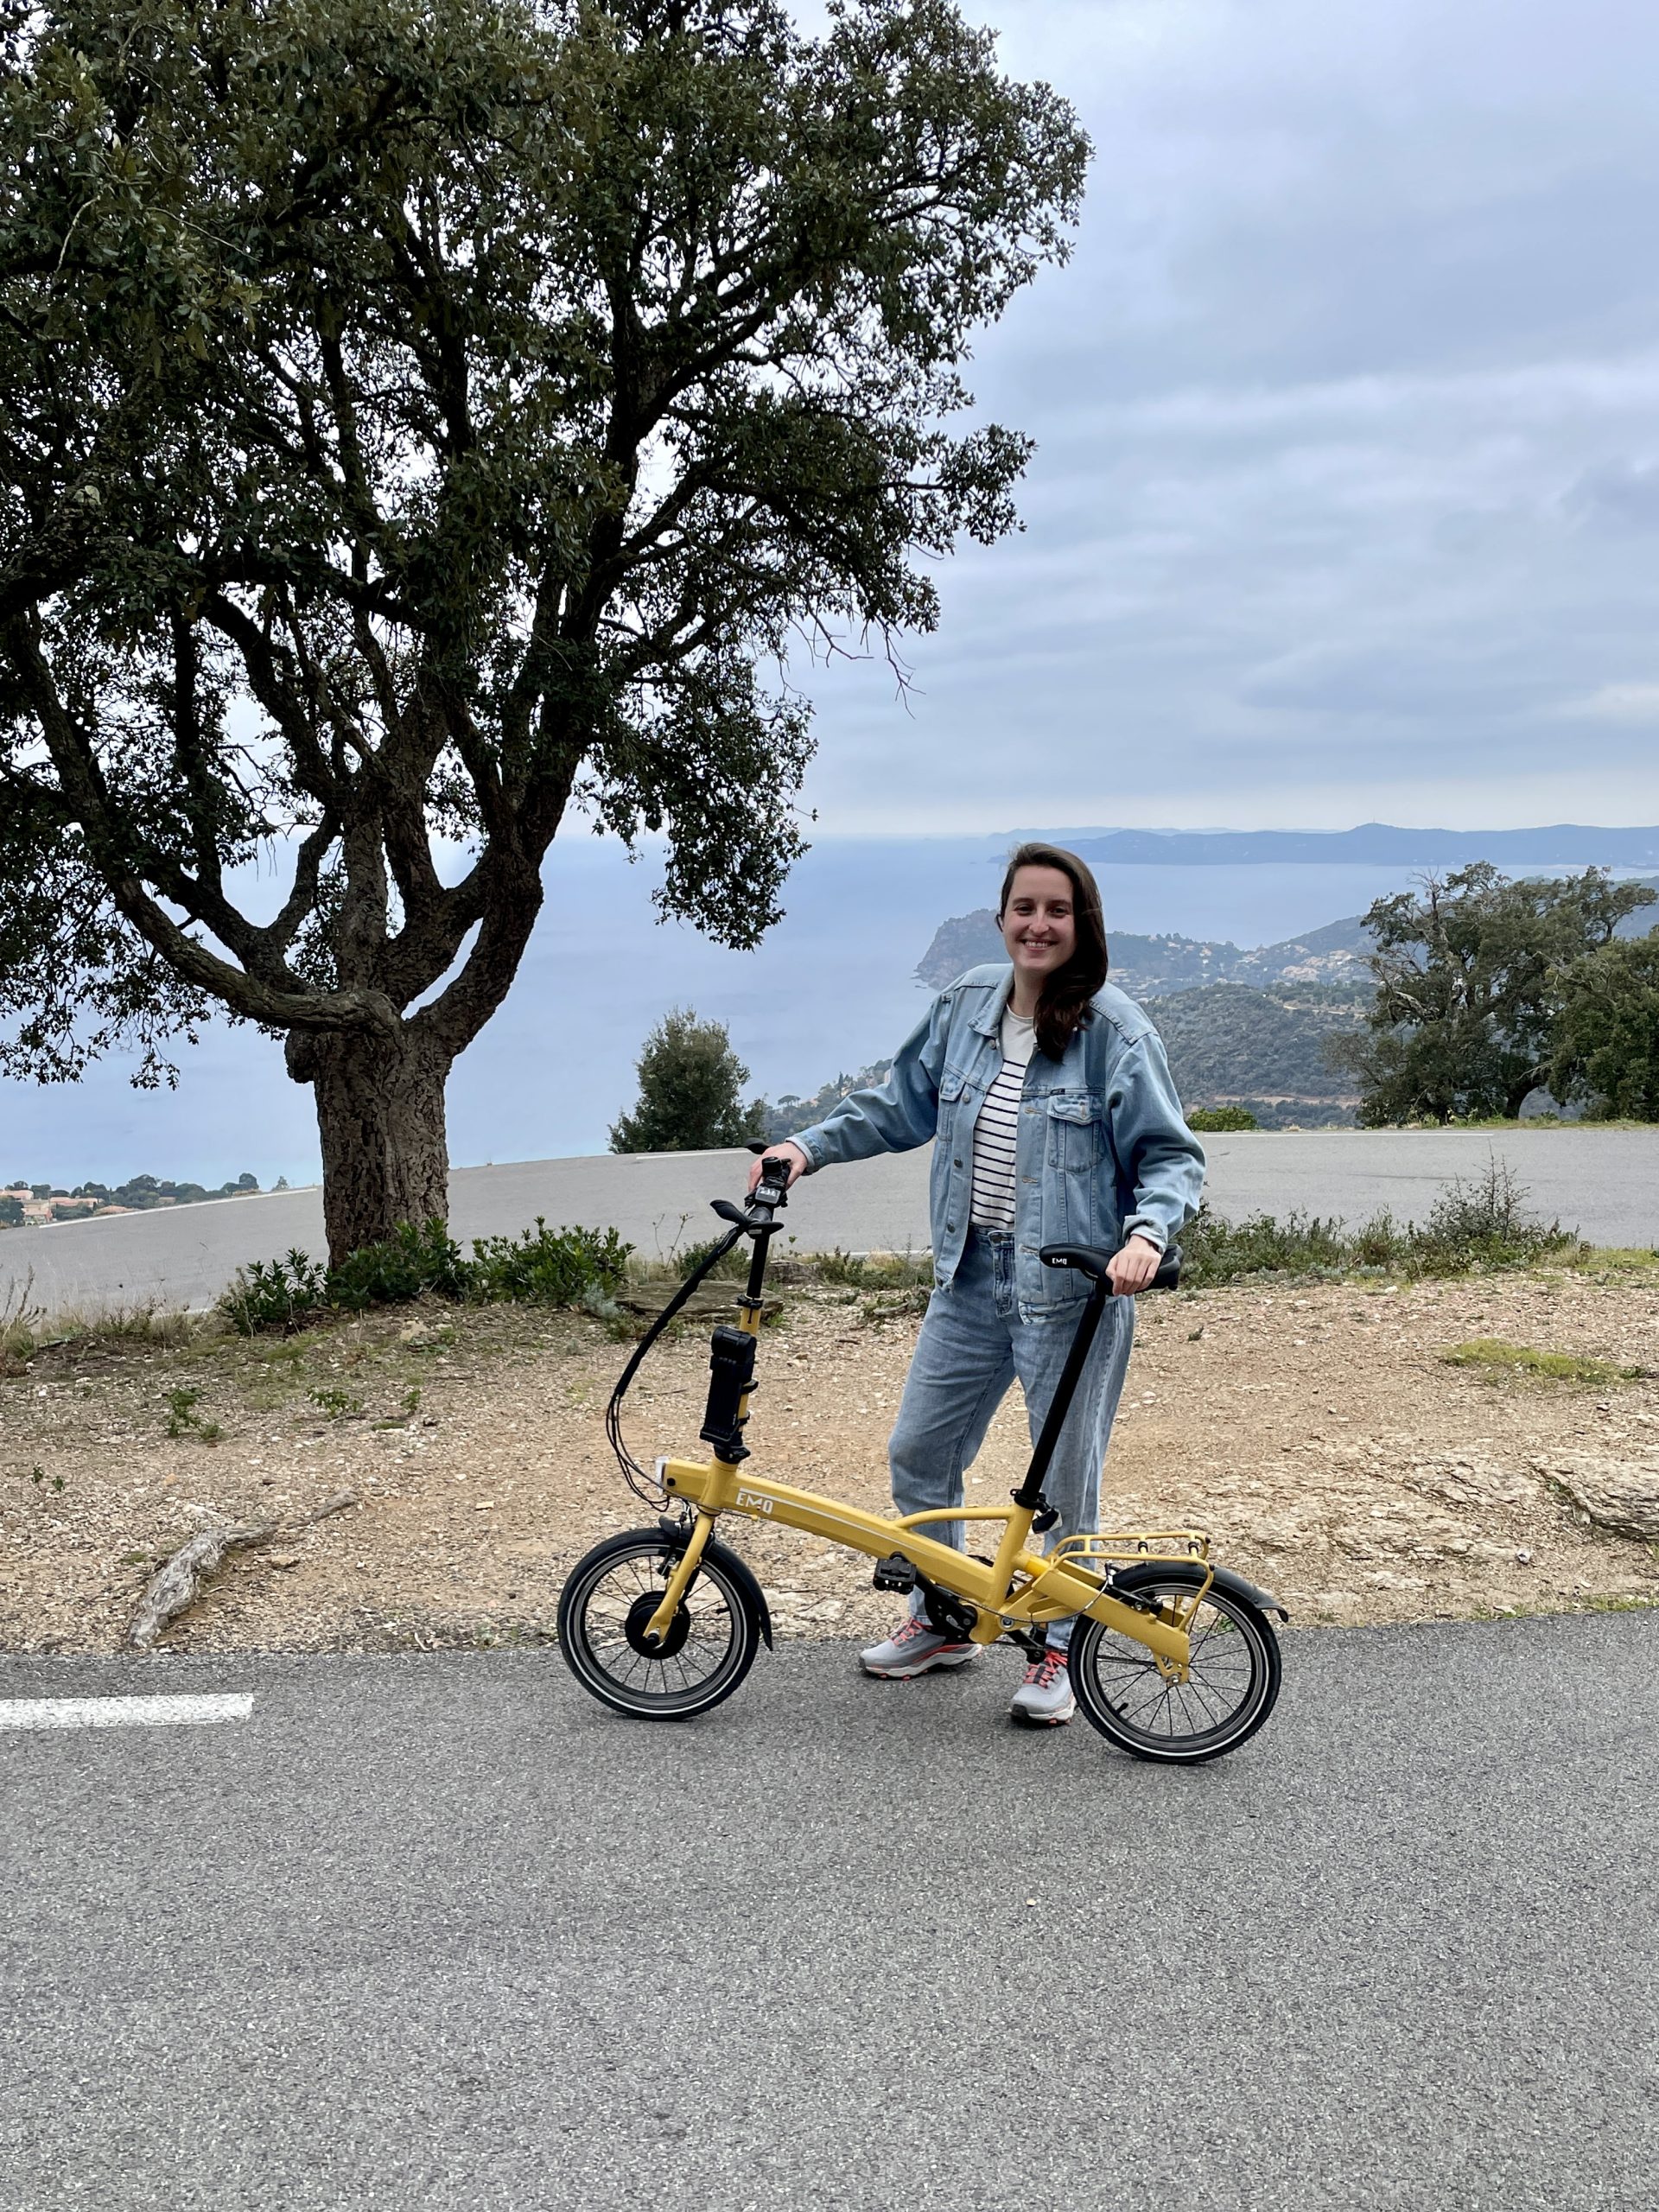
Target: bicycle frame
1017	1588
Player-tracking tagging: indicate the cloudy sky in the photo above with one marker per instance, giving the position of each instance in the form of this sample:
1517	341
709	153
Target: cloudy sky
1347	500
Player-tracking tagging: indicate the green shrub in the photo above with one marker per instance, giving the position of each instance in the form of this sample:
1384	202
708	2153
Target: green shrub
559	1266
734	1268
274	1294
874	1270
1215	1250
1482	1225
553	1267
1214	1120
410	1261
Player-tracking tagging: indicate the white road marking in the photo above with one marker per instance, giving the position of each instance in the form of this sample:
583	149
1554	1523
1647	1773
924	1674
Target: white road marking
119	1712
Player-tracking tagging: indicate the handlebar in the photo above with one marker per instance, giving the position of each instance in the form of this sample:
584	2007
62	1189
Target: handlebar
1090	1260
769	1194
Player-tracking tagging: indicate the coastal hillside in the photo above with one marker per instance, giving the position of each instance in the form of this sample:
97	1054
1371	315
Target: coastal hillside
1264	1050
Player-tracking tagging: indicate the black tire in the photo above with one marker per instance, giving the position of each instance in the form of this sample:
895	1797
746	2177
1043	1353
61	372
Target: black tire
1234	1680
710	1644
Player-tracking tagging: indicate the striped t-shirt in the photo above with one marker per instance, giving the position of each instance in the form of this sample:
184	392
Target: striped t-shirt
998	1126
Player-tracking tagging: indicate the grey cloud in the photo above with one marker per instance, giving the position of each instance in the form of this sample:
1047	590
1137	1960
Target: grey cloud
1398	681
1622	494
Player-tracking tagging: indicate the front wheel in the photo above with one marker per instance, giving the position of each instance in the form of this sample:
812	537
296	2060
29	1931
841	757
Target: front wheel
1232	1679
612	1593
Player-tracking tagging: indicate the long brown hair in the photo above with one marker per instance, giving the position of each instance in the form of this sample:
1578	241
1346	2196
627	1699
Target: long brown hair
1063	1008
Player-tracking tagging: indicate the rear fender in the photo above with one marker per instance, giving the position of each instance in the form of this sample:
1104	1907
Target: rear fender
1193	1572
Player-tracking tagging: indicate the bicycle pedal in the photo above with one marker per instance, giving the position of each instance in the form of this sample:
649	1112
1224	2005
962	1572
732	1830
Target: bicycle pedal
894	1573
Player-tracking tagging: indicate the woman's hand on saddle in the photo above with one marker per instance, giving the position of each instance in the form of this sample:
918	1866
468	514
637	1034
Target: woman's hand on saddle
791	1153
1134	1267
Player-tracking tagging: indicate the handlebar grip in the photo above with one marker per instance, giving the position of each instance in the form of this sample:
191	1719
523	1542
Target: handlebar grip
1168	1276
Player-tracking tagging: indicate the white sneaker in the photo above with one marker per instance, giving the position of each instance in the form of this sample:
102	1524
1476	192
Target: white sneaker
914	1648
1044	1700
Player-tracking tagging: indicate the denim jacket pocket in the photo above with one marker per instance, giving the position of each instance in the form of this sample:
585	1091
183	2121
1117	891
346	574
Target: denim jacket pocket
1077	1132
952	1085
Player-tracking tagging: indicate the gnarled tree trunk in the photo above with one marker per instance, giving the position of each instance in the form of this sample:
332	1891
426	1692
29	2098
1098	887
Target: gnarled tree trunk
380	1114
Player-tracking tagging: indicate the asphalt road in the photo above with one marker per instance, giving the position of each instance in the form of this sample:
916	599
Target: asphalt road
440	1932
1602	1182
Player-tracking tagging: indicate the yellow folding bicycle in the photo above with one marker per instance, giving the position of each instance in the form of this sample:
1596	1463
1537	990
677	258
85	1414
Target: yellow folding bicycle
1173	1656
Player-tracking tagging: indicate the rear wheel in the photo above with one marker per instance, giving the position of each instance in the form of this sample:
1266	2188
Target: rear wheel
1232	1680
612	1593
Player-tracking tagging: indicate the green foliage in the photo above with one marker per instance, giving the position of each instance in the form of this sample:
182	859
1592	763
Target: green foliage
734	1268
408	1262
1215	1250
1605	1043
141	1194
1486	1220
336	1403
548	1267
1208	1120
274	1294
1480	1225
1468	990
875	1270
183	1420
690	1082
555	1266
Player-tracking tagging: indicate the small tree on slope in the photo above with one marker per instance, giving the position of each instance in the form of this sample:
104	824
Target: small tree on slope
418	420
691	1084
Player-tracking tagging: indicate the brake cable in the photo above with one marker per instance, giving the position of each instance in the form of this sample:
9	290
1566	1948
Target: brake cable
646	1487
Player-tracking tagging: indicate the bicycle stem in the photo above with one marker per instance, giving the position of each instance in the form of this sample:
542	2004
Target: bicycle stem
1030	1492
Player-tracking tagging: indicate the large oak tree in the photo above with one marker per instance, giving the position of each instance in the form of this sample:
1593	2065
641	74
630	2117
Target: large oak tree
423	419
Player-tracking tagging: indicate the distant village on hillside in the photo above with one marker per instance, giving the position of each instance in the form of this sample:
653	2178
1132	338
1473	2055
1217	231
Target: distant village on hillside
25	1204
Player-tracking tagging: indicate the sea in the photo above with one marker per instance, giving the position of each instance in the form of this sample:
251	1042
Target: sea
831	989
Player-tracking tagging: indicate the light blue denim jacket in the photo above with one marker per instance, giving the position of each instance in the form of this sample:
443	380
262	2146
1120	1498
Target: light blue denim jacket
1102	1148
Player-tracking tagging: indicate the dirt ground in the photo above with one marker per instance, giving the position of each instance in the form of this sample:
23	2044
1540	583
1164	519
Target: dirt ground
1316	1431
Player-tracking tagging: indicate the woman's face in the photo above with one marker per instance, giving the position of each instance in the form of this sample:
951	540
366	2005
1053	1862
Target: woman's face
1039	924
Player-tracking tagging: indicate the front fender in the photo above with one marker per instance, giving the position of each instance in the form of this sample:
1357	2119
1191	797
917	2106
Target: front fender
678	1535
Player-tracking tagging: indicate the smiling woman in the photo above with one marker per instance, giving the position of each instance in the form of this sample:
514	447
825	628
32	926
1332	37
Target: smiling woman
1054	1120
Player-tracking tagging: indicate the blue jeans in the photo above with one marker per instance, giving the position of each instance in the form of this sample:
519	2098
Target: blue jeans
972	1346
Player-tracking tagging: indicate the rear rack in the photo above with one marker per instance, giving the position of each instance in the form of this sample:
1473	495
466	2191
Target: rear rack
1105	1550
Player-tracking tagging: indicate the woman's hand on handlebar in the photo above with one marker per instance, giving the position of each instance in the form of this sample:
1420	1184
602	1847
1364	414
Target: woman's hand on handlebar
782	1150
1134	1267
